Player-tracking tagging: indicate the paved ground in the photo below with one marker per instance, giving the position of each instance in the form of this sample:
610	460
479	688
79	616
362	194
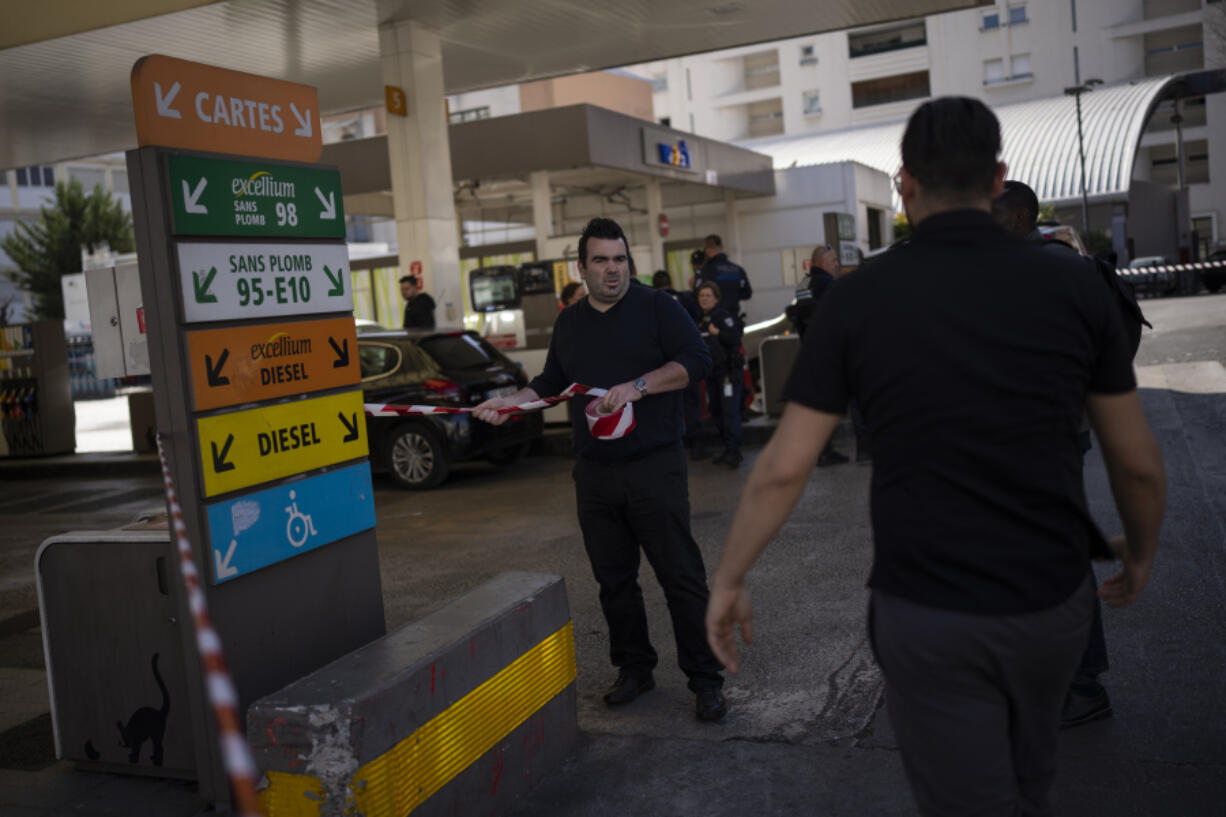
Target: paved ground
807	733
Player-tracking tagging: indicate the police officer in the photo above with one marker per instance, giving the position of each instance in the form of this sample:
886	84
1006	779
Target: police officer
731	279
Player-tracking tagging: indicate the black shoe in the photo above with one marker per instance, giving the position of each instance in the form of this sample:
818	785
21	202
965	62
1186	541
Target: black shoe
710	705
627	687
732	458
722	459
1085	704
831	457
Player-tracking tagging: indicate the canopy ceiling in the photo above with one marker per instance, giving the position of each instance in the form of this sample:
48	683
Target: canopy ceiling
65	64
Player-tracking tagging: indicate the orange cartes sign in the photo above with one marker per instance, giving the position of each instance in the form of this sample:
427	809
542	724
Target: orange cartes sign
190	105
250	363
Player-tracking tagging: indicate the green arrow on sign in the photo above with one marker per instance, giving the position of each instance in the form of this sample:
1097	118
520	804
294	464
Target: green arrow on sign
203	296
338	281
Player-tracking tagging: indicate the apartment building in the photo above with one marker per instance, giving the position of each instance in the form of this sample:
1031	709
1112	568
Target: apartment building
1012	51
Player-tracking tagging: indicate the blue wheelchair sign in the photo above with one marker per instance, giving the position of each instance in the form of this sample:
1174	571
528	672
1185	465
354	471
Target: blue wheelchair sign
269	526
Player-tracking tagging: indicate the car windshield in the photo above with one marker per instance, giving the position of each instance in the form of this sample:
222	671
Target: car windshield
460	351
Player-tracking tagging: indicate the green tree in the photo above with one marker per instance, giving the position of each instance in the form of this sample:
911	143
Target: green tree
1047	212
49	248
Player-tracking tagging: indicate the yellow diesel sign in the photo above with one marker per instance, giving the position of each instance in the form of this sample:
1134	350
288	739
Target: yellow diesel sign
246	448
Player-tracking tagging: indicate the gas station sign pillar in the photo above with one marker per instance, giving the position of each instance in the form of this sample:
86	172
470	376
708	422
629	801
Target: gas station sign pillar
420	160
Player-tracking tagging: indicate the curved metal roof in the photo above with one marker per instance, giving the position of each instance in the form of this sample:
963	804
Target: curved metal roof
1039	142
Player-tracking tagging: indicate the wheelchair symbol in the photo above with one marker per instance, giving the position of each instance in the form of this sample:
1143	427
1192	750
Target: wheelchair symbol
299	527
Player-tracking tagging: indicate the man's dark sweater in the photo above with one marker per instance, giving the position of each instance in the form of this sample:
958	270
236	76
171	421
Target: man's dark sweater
419	312
638	334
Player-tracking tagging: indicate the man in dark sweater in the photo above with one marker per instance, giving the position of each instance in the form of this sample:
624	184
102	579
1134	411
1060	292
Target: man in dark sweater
973	355
632	492
418	305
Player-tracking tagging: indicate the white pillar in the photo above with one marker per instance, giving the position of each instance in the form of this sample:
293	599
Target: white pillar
542	210
420	159
10	178
655	204
732	239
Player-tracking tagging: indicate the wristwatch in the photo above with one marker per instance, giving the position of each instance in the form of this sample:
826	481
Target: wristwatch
641	385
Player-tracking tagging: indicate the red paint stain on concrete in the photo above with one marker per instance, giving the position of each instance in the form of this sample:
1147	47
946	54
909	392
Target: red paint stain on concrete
498	767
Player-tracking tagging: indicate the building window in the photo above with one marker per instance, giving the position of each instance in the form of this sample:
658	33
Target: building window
666	121
761	70
885	90
1017	15
1173	51
765	118
470	115
812	103
881	40
991	20
36	176
808	55
659	82
1019	66
993	71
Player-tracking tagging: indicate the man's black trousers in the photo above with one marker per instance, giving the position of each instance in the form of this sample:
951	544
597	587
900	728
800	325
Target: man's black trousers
645	504
975	700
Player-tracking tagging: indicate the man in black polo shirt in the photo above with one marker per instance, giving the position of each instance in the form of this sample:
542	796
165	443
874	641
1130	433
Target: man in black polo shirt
632	492
972	354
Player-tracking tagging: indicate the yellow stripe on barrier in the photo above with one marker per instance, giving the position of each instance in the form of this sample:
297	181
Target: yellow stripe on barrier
400	780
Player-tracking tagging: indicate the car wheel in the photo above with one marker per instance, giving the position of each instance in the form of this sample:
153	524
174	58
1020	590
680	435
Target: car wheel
1214	287
415	457
508	455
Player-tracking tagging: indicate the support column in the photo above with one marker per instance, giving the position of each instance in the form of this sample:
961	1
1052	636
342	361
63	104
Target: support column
732	241
420	159
655	204
542	210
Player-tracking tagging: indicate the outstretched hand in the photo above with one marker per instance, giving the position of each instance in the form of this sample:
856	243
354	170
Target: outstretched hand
728	608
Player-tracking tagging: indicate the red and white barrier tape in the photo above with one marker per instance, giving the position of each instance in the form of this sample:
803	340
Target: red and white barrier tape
235	753
573	390
604	427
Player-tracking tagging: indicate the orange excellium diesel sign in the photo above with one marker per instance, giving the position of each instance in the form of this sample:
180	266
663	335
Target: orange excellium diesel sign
247	364
185	104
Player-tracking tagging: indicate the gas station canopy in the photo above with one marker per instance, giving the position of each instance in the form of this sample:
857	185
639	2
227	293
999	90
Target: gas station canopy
65	64
584	148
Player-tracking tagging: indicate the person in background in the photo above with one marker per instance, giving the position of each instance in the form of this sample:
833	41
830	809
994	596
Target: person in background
824	268
973	354
697	259
1016	209
418	305
722	333
571	293
731	279
664	282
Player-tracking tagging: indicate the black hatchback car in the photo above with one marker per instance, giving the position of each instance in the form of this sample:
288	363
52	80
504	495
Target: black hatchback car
439	368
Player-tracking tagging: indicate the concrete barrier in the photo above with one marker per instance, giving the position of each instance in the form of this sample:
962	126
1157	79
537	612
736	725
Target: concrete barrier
459	713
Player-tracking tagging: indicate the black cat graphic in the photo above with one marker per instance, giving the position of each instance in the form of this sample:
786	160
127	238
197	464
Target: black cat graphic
146	723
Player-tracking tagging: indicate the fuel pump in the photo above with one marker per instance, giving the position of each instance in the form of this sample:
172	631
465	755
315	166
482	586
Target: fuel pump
516	308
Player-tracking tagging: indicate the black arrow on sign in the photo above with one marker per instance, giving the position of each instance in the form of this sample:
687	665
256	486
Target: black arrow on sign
219	460
342	353
351	426
214	372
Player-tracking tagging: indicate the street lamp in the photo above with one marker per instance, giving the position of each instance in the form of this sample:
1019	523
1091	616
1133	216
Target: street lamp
1076	91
